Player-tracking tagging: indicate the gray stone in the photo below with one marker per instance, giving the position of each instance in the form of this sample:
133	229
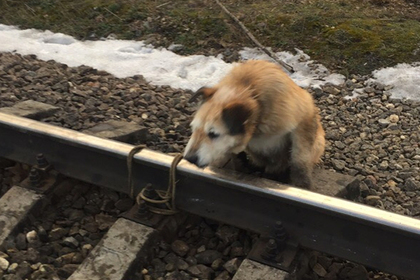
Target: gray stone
32	237
12	268
384	165
67	270
208	257
182	265
23	270
11	277
57	233
384	122
180	247
31	109
324	261
201	271
217	264
66	258
71	242
339	145
77	258
237	252
21	241
319	270
86	250
119	130
201	249
46	268
75	215
42	234
227	234
175	275
170	258
4	264
335	267
91	227
372	199
411	185
170	267
338	164
232	265
223	276
191	260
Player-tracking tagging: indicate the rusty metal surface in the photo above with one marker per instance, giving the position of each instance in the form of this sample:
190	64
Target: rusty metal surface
356	232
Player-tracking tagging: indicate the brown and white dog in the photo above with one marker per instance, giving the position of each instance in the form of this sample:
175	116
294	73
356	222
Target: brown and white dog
258	109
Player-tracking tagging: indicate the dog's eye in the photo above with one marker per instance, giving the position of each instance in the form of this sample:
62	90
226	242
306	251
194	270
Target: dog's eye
213	135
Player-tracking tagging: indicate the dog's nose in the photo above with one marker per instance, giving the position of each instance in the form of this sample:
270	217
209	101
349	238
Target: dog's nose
193	159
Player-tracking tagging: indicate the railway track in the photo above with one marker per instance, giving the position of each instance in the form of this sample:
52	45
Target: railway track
373	137
286	220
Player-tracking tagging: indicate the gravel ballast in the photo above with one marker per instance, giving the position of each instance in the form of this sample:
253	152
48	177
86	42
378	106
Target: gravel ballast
57	240
370	136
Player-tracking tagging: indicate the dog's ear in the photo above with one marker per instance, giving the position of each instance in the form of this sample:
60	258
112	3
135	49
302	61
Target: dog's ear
206	92
235	116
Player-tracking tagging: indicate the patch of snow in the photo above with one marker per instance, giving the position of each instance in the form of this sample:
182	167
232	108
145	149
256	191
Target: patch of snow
403	80
306	74
355	93
160	66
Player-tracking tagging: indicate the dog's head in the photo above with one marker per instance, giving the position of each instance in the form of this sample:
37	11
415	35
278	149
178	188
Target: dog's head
221	126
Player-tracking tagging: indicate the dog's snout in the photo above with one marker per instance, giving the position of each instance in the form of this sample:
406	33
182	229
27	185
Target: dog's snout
192	158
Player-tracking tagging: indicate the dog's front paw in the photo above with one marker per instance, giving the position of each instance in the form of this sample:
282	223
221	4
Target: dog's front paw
303	183
300	177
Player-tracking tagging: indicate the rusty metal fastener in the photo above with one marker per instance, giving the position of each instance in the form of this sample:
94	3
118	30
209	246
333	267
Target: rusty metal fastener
143	210
280	235
149	192
270	250
34	177
41	161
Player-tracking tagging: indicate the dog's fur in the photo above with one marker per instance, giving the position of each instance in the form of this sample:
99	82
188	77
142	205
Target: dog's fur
258	109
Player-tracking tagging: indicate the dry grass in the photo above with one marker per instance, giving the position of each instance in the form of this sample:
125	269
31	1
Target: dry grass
353	36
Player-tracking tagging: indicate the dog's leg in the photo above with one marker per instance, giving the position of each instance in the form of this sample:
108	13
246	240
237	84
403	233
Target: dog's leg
301	163
239	162
278	174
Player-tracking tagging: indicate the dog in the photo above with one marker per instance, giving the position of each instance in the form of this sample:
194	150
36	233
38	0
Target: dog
258	109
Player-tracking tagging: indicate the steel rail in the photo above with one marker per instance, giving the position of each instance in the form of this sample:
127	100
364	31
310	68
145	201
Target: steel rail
356	232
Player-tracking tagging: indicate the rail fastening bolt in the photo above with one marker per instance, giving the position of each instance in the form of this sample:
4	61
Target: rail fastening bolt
280	235
41	161
149	192
143	210
270	250
34	177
